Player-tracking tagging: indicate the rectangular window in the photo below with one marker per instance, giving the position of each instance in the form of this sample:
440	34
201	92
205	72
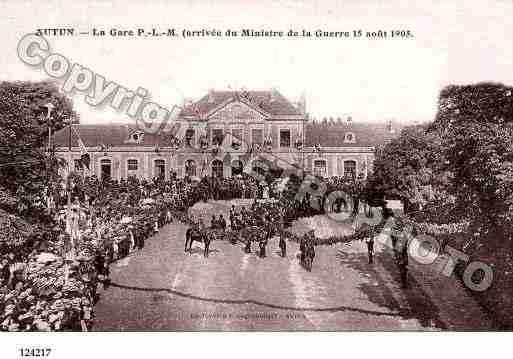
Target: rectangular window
217	136
284	138
160	169
257	136
320	168
132	166
350	169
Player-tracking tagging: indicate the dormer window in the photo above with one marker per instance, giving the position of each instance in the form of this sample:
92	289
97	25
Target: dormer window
135	137
350	138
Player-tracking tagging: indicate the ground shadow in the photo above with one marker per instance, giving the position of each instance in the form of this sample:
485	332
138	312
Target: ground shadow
420	306
256	302
200	251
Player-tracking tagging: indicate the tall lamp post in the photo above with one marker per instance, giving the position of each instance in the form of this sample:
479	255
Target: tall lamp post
49	106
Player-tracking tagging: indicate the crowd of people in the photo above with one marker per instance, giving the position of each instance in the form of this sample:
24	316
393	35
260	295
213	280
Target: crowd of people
52	282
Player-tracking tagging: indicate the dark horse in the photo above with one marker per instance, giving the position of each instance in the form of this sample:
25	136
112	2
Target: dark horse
193	234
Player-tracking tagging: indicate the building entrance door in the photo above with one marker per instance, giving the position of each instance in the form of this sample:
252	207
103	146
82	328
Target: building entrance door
217	169
106	169
160	169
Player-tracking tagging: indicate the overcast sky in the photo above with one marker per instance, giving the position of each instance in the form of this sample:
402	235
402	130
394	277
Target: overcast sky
373	80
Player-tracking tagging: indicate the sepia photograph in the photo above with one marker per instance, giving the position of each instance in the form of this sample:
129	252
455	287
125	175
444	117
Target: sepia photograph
237	166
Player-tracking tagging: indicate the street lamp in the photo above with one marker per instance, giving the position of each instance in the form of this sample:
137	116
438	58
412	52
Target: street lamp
49	106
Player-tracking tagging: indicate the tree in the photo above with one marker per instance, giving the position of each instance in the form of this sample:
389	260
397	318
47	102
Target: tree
26	170
409	168
475	124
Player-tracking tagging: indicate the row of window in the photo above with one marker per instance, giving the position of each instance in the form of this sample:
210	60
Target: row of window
191	169
320	168
132	167
257	136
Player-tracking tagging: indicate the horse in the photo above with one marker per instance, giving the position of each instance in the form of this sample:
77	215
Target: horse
194	234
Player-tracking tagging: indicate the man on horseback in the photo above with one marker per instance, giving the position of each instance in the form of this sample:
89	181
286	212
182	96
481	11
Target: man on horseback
197	232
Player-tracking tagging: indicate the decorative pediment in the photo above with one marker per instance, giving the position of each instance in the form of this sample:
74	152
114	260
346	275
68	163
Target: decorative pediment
237	111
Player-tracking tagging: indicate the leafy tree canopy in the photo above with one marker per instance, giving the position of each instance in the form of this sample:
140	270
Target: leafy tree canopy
475	125
25	169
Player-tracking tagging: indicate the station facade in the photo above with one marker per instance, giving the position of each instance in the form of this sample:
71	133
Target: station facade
223	134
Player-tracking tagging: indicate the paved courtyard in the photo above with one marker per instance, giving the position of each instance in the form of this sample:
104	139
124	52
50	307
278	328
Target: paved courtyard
163	288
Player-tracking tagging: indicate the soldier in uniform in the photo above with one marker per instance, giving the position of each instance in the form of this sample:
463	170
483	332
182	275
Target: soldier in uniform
221	222
214	223
302	248
262	244
232	217
370	246
247	248
283	246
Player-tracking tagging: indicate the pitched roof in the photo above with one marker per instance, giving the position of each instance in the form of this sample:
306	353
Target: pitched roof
327	135
333	135
95	135
269	101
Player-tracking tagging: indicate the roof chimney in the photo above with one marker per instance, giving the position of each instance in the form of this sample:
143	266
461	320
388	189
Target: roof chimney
211	97
273	95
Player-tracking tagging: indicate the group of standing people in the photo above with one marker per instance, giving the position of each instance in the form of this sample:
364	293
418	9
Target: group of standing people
307	250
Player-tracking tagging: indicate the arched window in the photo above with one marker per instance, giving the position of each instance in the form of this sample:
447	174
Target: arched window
217	168
190	168
320	168
160	169
237	167
350	169
189	137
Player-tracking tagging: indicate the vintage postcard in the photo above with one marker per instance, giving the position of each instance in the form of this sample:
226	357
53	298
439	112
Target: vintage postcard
255	166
